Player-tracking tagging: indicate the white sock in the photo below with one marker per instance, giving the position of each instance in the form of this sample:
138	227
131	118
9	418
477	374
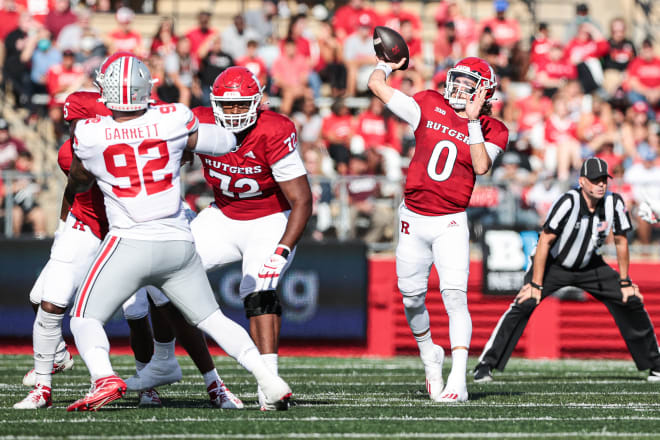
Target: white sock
426	346
93	345
459	359
61	354
210	377
46	334
270	359
460	322
163	350
236	342
139	365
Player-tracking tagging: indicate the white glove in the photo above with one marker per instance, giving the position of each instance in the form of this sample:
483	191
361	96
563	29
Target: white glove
269	274
646	213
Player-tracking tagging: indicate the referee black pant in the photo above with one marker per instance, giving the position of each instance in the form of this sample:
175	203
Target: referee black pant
602	282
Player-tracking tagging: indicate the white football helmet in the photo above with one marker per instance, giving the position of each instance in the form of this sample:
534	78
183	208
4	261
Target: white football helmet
126	85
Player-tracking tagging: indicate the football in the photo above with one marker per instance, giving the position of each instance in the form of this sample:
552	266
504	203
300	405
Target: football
390	46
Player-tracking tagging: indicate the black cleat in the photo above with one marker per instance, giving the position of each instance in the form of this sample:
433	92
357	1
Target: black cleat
482	373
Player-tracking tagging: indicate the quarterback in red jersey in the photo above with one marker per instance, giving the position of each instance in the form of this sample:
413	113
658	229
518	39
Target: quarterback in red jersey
455	141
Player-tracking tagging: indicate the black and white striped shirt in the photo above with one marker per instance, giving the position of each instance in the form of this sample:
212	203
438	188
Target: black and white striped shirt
581	233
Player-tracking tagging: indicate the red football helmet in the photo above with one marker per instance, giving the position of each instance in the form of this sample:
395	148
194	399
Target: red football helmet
236	85
84	105
480	75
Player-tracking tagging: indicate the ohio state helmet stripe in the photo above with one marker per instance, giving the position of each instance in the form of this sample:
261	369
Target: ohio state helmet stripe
125	79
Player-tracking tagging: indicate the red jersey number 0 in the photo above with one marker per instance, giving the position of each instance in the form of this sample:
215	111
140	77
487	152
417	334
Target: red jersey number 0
130	169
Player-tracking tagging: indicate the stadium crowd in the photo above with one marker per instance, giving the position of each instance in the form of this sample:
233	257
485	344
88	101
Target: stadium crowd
588	92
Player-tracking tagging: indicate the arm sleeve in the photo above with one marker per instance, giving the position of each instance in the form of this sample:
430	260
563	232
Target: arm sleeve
406	108
214	140
558	214
288	168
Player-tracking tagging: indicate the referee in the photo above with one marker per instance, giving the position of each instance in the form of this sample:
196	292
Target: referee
567	254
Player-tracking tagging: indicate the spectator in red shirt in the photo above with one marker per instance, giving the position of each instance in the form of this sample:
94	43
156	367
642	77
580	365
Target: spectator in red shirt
165	40
553	72
254	63
336	131
290	75
378	131
541	45
59	17
616	61
124	38
595	128
397	15
199	35
8	18
562	150
505	31
462	29
643	82
346	18
584	52
64	78
530	113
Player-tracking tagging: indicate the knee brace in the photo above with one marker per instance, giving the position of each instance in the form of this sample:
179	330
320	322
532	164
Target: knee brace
416	313
262	303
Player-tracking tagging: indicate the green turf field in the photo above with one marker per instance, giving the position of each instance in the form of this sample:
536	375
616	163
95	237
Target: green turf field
355	398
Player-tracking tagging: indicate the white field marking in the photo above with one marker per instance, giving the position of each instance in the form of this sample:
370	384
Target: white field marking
346	419
404	435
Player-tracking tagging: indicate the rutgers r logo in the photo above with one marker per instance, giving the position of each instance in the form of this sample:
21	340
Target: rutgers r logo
404	227
395	50
79	225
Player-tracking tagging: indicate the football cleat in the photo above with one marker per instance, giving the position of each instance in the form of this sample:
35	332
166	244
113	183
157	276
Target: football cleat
221	397
155	374
39	397
454	394
30	378
482	373
433	369
103	391
276	394
149	398
654	376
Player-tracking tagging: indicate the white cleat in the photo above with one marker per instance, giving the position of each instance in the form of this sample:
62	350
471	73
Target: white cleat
156	373
654	376
454	394
149	399
221	397
30	378
276	394
39	397
433	369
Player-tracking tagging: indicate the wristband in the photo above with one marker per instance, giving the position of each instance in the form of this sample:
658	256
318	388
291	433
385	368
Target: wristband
536	286
283	250
474	130
387	70
625	282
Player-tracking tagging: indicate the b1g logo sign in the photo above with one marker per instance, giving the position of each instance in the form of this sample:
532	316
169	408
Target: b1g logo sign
505	259
323	294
